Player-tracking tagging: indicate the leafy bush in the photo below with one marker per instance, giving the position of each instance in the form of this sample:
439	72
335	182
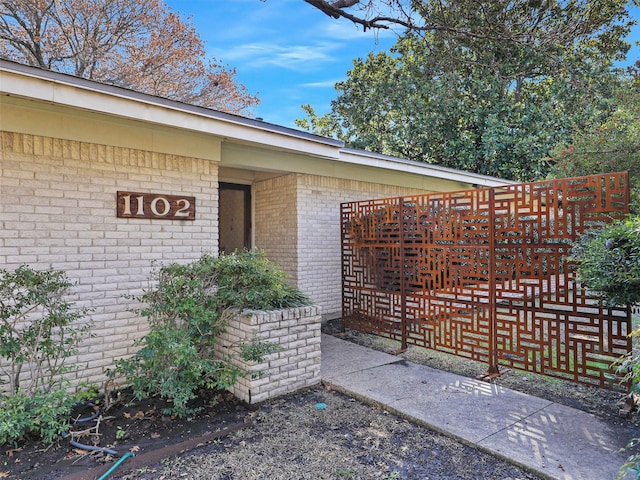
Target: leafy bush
38	334
250	280
607	261
186	313
45	414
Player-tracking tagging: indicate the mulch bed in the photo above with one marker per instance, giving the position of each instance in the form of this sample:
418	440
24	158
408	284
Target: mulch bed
130	426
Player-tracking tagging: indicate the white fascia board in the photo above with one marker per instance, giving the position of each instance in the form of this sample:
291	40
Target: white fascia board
361	157
59	89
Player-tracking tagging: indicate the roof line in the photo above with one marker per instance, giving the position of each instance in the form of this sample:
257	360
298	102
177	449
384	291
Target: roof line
96	86
368	158
469	177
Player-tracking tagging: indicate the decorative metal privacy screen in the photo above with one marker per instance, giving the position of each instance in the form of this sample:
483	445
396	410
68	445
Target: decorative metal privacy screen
483	274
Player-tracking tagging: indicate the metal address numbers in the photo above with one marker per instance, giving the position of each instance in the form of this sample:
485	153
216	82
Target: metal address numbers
156	206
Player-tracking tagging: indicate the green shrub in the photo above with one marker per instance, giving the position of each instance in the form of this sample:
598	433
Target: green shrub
38	334
186	313
44	414
250	280
607	261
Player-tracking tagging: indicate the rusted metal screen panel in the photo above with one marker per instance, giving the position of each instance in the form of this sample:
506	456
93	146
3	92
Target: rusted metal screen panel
545	323
483	274
371	266
446	259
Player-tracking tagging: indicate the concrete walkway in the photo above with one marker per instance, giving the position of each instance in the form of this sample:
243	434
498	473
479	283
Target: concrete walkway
549	439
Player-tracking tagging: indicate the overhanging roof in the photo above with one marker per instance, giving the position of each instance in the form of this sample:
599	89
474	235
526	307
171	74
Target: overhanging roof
420	168
56	88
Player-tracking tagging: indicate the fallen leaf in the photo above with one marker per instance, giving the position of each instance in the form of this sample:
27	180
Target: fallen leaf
139	415
126	415
4	474
134	449
79	451
155	435
11	451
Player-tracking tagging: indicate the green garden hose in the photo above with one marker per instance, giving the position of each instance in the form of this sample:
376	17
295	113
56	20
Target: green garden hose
116	465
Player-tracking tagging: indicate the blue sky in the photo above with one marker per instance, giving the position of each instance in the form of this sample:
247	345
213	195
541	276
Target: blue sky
286	51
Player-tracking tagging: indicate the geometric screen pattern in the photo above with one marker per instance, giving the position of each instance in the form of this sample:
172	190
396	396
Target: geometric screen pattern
484	274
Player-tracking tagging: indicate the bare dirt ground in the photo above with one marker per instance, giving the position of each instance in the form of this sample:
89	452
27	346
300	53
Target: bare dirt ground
293	439
313	434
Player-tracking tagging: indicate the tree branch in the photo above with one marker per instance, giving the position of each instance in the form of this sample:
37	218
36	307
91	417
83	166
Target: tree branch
518	22
333	9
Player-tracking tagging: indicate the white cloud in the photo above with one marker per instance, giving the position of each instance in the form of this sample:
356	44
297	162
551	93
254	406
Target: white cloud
302	58
322	84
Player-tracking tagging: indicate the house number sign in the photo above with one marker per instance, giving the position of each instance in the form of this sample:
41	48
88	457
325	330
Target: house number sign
156	206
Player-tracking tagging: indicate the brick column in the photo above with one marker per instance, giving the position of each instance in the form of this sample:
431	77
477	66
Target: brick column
295	366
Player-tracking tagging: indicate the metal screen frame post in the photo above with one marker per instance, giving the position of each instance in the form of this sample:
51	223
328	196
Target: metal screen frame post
403	277
492	310
343	270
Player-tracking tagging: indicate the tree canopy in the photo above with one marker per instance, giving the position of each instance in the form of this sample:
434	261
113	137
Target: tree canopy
612	145
136	44
490	87
513	21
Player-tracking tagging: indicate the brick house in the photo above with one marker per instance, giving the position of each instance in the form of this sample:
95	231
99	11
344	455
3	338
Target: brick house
68	146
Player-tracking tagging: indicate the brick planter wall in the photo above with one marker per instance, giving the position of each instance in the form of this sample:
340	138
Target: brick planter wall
297	365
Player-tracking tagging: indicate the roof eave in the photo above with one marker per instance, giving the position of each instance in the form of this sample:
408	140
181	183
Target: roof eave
420	168
69	91
62	89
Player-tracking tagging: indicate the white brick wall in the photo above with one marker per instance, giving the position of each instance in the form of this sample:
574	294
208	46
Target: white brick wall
319	242
276	221
298	225
296	365
58	210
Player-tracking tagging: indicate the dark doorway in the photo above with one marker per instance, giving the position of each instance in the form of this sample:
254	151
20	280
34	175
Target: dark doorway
234	217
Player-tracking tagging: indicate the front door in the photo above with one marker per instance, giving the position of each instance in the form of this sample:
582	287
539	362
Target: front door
234	217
